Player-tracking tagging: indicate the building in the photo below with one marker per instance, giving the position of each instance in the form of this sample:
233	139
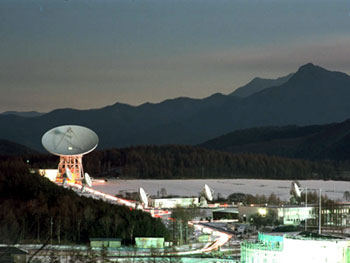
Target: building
296	247
149	242
295	215
288	214
175	202
50	174
336	217
225	214
105	242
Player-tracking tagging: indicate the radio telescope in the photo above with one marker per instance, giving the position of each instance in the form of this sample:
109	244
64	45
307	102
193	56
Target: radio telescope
295	189
87	179
208	193
70	143
143	197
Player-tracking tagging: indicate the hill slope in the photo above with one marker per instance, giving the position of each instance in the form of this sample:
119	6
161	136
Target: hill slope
330	141
11	148
29	202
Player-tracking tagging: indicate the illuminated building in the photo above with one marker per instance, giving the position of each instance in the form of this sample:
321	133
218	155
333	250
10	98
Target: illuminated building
175	202
149	242
50	174
292	247
336	215
289	215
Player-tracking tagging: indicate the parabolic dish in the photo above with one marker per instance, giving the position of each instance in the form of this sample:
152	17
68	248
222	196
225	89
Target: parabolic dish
70	140
208	192
296	189
143	197
69	174
87	179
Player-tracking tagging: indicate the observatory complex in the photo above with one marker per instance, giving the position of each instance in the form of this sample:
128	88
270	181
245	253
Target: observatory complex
72	142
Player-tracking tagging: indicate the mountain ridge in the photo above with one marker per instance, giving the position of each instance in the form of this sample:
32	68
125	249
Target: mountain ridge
257	84
312	95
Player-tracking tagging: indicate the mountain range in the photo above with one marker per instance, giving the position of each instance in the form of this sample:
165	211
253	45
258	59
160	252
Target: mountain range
312	95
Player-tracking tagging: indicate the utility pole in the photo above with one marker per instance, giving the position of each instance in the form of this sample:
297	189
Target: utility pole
319	215
51	226
307	210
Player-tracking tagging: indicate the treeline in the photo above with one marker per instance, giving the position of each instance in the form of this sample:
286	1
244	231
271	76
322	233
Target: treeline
170	162
248	199
175	161
273	199
32	206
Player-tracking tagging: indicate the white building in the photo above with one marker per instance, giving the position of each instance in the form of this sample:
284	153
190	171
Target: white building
175	202
288	214
301	248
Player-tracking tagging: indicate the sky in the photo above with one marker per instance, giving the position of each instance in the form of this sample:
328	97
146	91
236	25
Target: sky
91	53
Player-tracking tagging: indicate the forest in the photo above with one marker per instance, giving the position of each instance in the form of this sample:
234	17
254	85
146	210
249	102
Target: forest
31	206
178	161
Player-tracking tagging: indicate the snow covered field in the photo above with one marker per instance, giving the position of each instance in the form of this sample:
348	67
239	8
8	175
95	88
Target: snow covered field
334	189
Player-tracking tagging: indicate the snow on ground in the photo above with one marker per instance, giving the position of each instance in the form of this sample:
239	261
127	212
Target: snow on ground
333	189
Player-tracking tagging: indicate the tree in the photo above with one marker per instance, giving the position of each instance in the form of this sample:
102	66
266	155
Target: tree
346	195
163	192
270	219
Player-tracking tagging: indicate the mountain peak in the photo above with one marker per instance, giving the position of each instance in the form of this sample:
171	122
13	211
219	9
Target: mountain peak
311	71
309	67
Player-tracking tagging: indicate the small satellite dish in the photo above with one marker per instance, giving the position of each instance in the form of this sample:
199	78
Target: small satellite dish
68	140
143	197
69	174
208	193
296	189
87	179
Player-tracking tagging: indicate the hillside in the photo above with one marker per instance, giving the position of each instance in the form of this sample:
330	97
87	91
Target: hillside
11	148
28	203
315	142
313	95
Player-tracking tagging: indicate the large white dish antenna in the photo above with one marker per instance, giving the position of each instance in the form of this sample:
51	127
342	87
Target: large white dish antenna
68	140
143	197
208	193
69	174
296	189
87	179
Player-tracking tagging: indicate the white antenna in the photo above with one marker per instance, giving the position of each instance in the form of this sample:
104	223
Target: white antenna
87	180
143	197
69	174
208	193
296	189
